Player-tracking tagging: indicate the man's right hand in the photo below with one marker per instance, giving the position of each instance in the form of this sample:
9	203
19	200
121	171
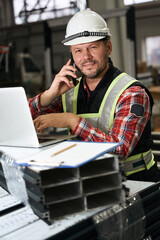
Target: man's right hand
61	84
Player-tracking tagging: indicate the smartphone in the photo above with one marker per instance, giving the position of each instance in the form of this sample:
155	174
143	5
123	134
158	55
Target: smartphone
74	65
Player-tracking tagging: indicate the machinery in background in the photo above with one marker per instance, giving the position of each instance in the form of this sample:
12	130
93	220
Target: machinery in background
20	69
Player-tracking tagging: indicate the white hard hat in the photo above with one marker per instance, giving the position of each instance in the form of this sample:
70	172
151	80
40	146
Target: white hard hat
85	26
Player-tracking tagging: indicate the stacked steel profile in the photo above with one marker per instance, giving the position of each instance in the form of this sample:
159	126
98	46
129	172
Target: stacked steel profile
97	187
57	192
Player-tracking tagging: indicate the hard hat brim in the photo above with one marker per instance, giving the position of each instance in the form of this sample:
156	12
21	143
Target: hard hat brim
82	40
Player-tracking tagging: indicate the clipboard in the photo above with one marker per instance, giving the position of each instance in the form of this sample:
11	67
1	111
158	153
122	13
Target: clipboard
68	154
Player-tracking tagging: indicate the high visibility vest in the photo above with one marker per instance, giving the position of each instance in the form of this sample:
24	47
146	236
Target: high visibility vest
105	117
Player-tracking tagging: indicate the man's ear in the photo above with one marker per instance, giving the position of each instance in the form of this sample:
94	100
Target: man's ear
109	47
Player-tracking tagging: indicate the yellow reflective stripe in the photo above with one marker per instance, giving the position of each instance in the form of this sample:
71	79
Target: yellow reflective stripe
152	162
132	172
137	156
109	89
148	166
89	115
64	103
75	96
115	102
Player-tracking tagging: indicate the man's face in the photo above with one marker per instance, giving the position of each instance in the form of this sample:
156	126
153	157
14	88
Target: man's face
92	58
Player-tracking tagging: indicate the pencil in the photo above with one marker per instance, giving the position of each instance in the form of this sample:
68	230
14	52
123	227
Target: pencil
64	149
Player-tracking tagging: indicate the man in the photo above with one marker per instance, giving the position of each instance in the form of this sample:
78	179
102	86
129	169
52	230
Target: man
106	105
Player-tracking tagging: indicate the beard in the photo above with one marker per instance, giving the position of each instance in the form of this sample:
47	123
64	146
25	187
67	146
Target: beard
93	73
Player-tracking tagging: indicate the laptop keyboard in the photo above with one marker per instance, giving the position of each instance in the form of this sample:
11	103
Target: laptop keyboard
42	140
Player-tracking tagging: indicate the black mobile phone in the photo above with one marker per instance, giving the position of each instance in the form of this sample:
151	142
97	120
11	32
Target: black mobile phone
74	65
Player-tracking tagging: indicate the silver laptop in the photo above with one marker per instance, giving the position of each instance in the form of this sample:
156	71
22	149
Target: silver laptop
16	124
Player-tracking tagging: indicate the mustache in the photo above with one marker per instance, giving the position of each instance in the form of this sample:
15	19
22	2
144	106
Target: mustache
88	61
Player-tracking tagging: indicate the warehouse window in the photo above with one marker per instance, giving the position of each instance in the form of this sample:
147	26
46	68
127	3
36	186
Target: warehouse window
153	51
131	2
36	10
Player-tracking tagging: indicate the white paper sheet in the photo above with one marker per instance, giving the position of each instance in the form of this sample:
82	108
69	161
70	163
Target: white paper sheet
78	154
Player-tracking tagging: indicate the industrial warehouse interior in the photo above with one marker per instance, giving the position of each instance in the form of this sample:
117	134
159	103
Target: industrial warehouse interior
83	77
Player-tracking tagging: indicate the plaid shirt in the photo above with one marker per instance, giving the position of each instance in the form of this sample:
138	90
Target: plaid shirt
127	126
